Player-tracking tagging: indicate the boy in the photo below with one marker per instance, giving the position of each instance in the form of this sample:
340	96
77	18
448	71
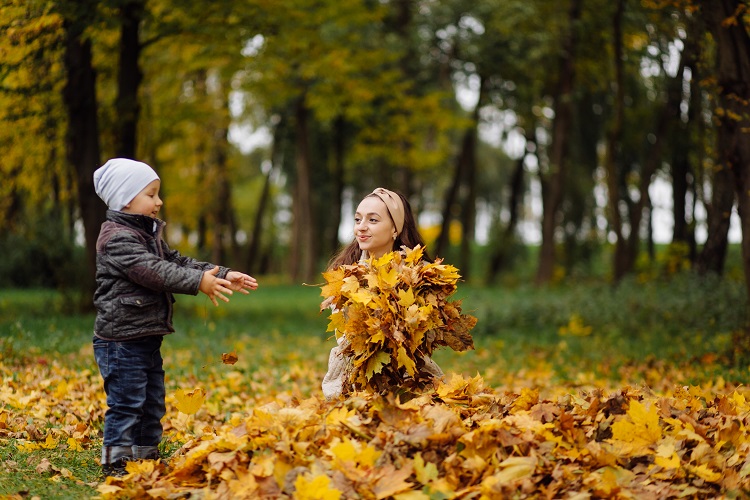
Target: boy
136	275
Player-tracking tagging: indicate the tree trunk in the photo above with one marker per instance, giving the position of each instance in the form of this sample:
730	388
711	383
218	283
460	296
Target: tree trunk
449	202
612	161
256	236
223	216
464	174
733	78
469	208
553	185
303	244
683	143
497	261
82	139
714	252
668	114
129	79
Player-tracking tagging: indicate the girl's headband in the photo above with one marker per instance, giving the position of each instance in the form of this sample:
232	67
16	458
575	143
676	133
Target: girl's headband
395	206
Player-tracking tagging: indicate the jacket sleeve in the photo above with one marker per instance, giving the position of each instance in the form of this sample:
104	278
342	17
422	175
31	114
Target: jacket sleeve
189	262
128	255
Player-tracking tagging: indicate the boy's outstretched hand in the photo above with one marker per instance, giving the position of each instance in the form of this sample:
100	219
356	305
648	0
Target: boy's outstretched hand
216	287
241	282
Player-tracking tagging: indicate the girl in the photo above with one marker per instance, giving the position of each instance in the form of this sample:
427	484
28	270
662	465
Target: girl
383	223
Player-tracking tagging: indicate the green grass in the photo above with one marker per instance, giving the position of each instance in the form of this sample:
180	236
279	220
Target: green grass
636	330
676	321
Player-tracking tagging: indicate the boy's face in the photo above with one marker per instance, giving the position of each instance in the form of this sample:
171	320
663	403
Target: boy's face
147	202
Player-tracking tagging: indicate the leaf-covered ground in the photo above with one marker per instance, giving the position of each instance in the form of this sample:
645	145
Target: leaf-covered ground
258	436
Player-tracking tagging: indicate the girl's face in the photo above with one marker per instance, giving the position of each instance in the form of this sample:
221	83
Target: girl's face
147	202
373	227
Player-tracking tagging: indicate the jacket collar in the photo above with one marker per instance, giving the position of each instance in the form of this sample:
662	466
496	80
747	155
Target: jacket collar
143	223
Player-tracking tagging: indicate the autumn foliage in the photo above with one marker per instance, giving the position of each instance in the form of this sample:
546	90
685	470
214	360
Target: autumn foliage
461	440
235	434
394	312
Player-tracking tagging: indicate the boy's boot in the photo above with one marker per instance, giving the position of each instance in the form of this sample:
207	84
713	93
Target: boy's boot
114	459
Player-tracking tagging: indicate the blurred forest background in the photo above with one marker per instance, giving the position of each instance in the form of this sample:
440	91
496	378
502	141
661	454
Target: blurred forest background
535	138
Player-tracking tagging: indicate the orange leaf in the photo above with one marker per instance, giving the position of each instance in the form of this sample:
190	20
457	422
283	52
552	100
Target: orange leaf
229	358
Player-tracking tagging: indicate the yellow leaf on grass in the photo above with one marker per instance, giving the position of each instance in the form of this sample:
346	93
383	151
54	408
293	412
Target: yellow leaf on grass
50	443
189	402
74	444
315	488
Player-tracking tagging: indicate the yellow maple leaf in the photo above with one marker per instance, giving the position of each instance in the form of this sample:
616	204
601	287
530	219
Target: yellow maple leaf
350	285
339	415
361	296
334	279
189	402
635	434
405	360
424	471
144	467
315	488
527	399
414	255
406	297
387	278
352	452
375	363
666	455
337	320
703	472
670	462
514	468
50	443
74	444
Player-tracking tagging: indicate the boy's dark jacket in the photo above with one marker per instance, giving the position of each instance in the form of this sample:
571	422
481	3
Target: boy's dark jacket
136	275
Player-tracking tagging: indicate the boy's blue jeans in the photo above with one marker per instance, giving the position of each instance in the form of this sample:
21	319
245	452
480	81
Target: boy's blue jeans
133	376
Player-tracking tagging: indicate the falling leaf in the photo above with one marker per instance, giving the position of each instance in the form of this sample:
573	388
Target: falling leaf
189	402
229	358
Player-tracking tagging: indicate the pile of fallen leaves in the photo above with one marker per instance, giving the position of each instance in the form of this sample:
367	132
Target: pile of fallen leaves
465	441
394	311
244	438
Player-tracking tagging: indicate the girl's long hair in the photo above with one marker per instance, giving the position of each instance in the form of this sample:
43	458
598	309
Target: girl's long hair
409	238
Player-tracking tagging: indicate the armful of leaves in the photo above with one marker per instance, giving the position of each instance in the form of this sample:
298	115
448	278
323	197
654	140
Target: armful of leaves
395	311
